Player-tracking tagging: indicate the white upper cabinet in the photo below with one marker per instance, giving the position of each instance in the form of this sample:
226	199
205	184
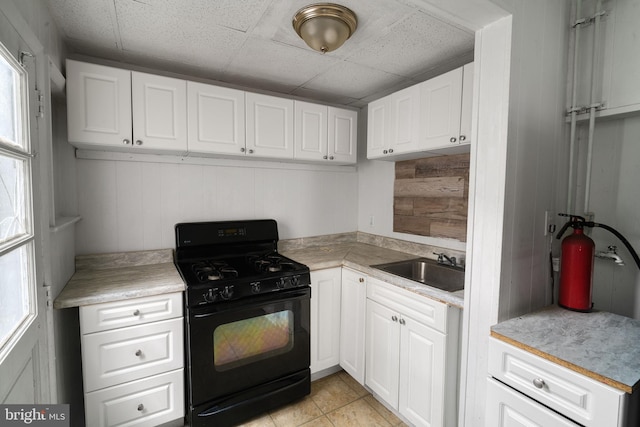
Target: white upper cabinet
216	119
428	119
114	108
311	126
269	126
343	135
325	133
99	105
159	112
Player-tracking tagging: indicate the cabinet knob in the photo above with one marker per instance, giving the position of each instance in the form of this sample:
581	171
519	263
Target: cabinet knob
538	383
250	151
136	313
385	152
138	142
242	150
141	407
361	280
453	139
390	150
324	157
402	322
139	353
126	142
394	318
463	138
331	158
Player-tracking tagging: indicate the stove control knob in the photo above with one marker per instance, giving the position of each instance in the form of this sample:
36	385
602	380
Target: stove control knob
295	281
209	296
227	292
282	282
255	287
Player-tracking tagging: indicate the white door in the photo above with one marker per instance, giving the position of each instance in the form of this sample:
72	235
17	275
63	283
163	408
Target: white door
216	119
310	130
422	373
508	408
159	108
342	140
441	102
378	123
98	104
352	323
405	120
383	352
269	126
325	319
23	346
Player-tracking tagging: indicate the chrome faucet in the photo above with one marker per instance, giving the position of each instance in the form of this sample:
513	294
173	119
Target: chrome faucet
610	254
443	259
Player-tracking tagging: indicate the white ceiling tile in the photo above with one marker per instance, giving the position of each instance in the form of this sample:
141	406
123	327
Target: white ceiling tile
85	20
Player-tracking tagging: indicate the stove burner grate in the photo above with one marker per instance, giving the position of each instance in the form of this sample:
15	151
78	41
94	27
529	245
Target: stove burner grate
207	271
272	263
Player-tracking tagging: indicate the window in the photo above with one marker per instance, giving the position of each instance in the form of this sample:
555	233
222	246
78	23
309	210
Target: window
17	269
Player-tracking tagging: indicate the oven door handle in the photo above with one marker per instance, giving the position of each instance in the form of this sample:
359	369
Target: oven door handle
212	310
221	406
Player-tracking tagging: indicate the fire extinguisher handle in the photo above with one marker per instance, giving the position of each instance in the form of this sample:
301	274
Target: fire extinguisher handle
563	229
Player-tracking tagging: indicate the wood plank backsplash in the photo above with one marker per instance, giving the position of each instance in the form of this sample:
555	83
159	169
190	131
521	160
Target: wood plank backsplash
431	196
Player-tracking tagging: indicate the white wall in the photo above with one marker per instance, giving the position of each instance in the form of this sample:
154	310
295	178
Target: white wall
615	201
128	206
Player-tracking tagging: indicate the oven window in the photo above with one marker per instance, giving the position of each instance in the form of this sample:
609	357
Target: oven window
249	340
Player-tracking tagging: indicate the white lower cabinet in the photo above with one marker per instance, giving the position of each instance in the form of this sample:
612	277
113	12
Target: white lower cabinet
352	323
543	384
325	319
132	361
412	354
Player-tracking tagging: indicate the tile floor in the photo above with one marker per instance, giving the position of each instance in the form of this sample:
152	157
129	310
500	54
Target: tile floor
335	401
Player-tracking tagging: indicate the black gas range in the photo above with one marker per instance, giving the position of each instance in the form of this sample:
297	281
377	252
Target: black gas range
246	322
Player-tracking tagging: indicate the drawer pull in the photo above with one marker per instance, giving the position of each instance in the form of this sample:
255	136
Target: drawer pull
539	383
139	353
136	313
141	407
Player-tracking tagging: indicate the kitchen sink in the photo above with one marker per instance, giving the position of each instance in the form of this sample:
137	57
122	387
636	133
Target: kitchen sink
427	272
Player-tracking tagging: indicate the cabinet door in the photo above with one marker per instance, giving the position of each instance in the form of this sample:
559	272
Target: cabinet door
215	119
159	112
325	318
269	126
422	374
508	408
383	352
98	104
378	127
352	323
405	121
310	131
343	135
467	104
441	99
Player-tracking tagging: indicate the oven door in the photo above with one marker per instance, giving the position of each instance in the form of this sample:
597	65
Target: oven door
242	344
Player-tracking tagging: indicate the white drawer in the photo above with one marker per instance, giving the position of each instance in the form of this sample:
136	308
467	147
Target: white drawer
121	355
136	311
423	309
582	399
147	402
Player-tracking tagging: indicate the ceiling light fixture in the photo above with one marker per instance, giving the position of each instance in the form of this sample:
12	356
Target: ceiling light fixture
325	26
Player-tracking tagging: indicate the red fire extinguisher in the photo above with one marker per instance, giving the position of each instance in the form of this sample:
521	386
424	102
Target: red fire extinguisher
576	267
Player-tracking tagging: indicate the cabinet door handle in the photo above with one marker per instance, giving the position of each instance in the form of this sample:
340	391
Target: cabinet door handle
385	152
324	157
141	407
361	280
394	318
136	313
126	142
539	383
138	142
390	150
242	150
453	139
139	353
402	322
250	151
463	138
330	157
